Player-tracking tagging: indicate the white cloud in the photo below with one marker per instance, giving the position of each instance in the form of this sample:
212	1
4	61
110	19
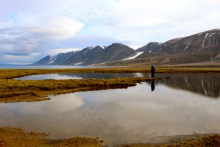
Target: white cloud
35	54
41	26
214	2
13	57
58	28
24	40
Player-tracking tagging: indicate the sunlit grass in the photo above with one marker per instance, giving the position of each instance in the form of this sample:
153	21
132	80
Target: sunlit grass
12	90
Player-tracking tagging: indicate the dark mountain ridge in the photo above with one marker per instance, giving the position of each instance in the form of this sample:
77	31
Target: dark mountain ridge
148	47
200	47
114	52
200	42
89	55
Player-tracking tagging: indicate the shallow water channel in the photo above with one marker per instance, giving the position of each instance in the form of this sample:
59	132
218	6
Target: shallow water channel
182	105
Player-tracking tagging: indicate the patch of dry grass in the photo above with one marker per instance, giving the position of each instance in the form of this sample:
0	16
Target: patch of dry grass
29	90
16	137
187	141
12	90
14	73
12	137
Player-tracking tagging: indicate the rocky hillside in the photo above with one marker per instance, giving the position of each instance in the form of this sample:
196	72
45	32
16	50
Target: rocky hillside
71	58
148	47
197	48
205	41
201	47
114	52
89	55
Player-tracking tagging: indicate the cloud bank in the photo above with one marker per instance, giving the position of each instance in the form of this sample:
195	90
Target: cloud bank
30	30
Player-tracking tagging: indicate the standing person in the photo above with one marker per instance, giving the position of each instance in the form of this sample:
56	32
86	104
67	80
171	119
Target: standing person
152	71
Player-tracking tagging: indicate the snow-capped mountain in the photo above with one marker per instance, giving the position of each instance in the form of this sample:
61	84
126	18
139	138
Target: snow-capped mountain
197	43
89	55
71	58
200	47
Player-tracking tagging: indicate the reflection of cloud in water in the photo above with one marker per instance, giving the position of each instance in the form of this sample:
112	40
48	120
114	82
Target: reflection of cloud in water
118	116
61	76
49	76
72	102
140	75
57	105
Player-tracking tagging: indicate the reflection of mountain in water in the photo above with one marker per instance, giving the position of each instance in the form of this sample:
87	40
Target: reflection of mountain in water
102	75
205	84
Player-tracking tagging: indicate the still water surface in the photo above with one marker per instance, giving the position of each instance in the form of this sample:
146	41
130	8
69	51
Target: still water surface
62	76
184	104
47	66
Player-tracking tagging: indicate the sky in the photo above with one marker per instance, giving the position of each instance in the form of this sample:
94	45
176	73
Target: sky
32	29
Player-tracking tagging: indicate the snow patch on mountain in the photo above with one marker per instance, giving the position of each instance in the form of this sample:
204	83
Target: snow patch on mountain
79	63
185	48
133	57
204	39
52	59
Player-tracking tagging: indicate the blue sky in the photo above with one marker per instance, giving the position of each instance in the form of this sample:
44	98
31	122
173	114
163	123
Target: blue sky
30	30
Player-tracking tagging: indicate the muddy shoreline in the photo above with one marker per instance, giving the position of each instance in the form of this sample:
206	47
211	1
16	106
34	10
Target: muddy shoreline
10	137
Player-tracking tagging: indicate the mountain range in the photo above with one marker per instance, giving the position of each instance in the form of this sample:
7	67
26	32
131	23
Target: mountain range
201	47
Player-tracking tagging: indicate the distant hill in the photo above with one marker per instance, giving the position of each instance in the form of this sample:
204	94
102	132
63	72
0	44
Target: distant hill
201	47
114	52
89	55
205	41
70	58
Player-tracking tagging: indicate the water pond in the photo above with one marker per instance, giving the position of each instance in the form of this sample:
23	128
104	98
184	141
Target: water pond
14	66
184	104
62	76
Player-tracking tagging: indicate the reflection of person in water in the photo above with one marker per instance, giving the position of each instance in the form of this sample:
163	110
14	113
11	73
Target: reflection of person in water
152	86
152	71
152	76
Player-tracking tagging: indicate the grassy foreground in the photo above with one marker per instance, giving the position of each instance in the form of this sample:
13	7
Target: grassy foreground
12	90
16	137
12	137
212	140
